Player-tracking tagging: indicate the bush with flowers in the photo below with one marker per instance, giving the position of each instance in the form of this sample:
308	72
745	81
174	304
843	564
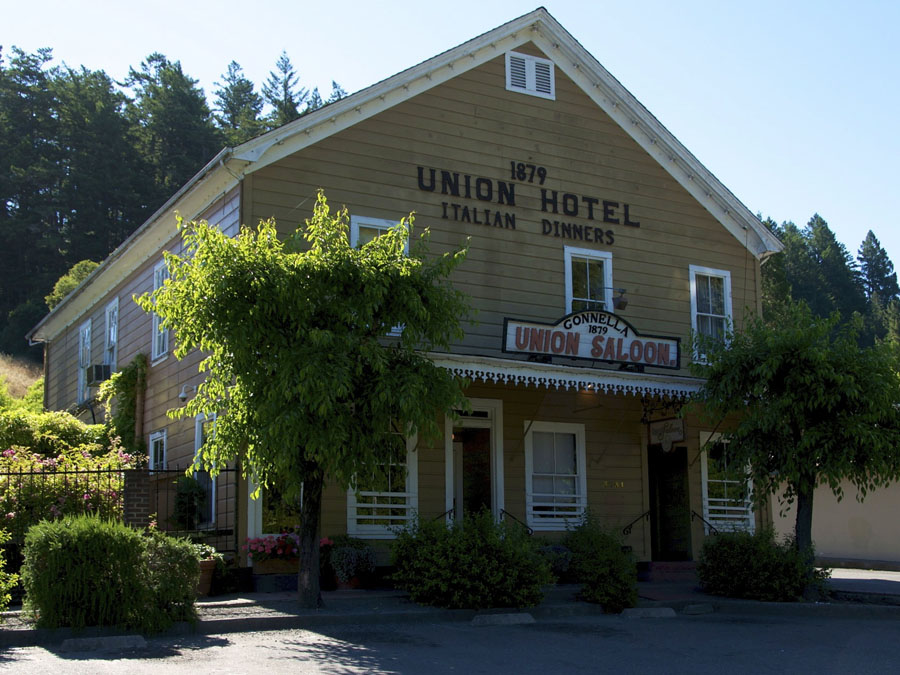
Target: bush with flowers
40	486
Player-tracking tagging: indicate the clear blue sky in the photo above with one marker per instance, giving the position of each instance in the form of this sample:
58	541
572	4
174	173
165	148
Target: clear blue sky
792	104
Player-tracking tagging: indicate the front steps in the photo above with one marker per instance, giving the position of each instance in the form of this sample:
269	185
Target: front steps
678	572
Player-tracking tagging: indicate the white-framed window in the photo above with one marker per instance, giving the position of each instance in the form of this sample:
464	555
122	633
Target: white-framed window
157	450
710	302
726	488
530	75
389	501
111	347
204	427
160	347
363	230
555	474
84	360
588	279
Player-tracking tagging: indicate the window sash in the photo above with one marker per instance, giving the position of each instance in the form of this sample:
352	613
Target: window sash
160	343
84	360
376	513
556	492
727	503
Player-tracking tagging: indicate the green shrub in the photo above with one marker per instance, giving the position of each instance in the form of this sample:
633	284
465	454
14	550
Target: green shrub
756	566
474	564
49	433
173	570
7	580
608	573
83	571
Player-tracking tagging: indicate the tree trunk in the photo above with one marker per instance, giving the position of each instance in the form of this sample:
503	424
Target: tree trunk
308	587
803	527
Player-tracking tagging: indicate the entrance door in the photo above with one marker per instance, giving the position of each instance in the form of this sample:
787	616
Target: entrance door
670	514
474	451
471	470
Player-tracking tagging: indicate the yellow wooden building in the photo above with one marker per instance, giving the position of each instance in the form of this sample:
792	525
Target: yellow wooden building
598	245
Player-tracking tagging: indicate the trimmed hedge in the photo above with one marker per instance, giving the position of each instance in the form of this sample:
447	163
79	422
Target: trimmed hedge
475	564
50	433
756	566
84	571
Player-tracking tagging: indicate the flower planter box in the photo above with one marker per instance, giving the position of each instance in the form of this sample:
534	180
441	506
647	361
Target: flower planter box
277	566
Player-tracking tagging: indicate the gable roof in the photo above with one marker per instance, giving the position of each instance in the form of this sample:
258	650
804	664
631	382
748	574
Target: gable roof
225	171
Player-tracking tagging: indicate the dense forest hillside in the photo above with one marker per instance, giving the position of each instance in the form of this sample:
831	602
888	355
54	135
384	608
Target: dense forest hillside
84	160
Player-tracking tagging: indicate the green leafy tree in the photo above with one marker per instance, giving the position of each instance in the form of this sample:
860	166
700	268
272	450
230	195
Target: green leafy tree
304	385
281	93
69	281
238	106
810	406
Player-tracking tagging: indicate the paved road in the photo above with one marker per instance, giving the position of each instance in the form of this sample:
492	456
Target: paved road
713	643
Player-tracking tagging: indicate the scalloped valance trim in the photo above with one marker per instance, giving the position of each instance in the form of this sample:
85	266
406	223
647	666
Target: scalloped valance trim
528	374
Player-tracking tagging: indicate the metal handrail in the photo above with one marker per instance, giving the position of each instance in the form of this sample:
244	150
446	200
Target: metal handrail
449	512
627	529
506	514
712	527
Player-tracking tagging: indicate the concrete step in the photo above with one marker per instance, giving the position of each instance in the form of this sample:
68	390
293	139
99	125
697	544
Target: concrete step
660	571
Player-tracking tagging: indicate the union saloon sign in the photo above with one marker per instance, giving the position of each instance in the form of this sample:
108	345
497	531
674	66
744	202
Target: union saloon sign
593	335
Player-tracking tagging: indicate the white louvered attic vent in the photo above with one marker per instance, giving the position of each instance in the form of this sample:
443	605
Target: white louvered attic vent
530	75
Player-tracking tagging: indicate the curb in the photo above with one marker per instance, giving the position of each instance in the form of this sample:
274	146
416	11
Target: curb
241	617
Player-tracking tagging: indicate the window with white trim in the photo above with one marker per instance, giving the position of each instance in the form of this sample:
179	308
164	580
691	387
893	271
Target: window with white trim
530	75
111	347
710	302
204	427
555	474
157	450
726	488
362	231
588	279
387	501
160	347
84	360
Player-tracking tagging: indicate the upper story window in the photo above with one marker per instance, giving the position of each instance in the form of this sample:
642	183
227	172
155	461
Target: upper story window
160	347
111	348
588	279
555	475
726	488
84	360
710	302
530	75
387	501
362	231
157	447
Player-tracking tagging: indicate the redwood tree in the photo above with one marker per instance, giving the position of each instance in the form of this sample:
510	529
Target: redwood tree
305	385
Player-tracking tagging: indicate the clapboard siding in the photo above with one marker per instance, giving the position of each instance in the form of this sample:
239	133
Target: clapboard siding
165	377
472	125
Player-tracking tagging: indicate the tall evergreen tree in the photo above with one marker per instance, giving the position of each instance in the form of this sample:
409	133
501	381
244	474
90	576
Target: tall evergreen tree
337	92
877	270
281	93
30	172
837	271
100	193
175	133
238	106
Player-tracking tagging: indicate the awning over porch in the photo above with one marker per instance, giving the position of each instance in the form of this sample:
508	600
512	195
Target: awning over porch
530	374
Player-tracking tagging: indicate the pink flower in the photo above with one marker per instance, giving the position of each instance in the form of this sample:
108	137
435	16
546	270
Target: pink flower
9	453
10	515
87	495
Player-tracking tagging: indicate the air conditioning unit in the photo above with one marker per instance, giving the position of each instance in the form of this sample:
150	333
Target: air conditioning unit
96	373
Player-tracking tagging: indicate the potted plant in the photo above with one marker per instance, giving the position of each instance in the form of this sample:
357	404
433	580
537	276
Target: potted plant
209	559
353	562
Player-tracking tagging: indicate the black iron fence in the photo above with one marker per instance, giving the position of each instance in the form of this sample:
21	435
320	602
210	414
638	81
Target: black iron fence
196	506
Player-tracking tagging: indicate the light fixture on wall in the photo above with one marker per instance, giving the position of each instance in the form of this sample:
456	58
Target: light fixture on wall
620	301
183	394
